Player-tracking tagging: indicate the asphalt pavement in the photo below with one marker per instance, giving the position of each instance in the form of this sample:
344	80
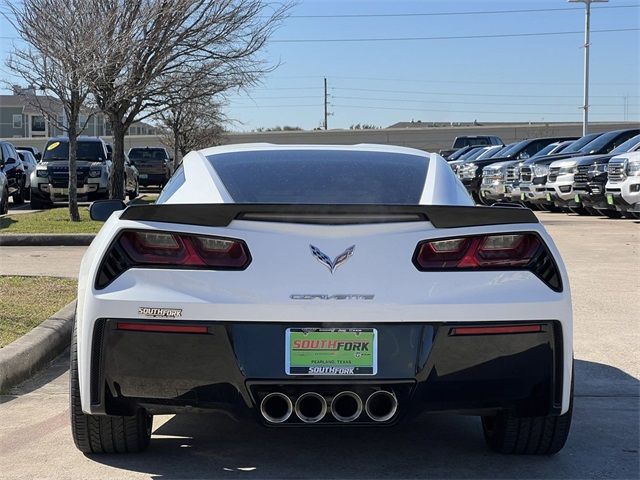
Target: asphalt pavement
603	259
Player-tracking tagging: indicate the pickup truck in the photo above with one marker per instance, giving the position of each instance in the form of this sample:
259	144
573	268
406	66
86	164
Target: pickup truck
471	140
622	190
534	171
471	172
591	178
560	182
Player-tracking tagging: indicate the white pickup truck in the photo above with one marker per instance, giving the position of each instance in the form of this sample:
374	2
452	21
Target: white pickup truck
623	184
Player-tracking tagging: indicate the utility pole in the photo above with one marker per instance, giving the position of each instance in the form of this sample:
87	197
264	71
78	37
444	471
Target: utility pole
587	31
326	104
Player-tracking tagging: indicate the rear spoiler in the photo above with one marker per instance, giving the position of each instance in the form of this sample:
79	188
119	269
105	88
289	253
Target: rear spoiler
222	214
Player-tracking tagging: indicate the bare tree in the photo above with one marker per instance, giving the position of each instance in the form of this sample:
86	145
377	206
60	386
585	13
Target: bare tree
57	37
192	125
152	50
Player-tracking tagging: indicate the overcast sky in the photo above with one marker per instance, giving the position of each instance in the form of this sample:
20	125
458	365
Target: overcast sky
525	78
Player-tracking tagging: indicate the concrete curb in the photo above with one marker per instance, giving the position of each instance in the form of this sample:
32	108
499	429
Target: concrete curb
45	239
26	355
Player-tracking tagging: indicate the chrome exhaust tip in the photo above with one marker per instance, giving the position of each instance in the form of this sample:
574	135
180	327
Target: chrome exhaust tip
276	407
311	407
346	406
381	406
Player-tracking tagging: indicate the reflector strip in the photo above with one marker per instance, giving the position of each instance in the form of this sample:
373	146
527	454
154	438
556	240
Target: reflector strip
496	330
153	327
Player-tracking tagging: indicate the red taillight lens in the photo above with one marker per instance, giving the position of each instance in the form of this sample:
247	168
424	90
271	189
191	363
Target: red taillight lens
163	248
496	330
153	327
483	251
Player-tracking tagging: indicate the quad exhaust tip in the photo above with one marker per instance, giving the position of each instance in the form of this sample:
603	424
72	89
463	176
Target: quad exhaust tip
276	407
311	407
381	406
346	406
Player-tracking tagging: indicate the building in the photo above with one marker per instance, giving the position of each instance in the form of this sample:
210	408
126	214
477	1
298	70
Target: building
21	117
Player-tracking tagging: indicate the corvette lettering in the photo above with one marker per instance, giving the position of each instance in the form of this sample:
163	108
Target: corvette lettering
160	312
345	296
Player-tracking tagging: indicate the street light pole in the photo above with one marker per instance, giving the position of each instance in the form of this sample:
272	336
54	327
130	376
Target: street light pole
587	31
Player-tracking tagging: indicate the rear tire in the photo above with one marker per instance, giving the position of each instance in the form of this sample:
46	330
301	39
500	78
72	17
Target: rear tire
4	202
18	197
506	433
37	204
104	433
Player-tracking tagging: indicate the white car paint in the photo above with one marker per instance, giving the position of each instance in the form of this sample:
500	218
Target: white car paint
282	266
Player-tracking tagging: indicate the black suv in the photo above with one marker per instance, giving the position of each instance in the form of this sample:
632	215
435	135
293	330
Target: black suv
14	170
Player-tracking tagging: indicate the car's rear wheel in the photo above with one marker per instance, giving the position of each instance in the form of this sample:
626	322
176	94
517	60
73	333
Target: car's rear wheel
104	433
4	202
18	197
36	203
506	433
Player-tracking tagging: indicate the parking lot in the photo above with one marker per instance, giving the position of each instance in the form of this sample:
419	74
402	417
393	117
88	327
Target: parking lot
603	259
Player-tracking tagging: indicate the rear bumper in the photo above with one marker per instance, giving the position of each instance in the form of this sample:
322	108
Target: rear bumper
233	366
146	179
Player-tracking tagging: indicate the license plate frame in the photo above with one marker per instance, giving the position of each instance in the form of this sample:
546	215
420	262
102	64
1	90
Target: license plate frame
313	360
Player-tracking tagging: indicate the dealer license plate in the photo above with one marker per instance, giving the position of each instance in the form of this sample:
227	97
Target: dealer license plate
610	199
331	351
522	197
577	198
548	197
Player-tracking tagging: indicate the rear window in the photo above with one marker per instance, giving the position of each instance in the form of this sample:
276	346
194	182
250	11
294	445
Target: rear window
59	151
147	154
464	141
322	177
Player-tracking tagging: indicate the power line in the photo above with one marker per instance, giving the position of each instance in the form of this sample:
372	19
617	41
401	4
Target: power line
463	111
413	100
442	14
469	82
482	94
459	37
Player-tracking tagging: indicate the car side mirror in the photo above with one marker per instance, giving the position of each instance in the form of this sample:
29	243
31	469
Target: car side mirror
1	164
132	163
101	210
11	160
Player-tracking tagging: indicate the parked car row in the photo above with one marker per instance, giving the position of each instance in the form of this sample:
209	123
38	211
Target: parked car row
595	174
43	178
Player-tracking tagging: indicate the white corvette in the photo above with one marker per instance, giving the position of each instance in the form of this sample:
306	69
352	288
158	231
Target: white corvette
321	285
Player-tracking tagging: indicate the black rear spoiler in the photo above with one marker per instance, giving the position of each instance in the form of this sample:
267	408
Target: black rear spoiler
222	214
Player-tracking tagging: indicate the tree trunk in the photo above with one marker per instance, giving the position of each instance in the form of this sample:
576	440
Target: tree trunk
117	178
74	214
176	148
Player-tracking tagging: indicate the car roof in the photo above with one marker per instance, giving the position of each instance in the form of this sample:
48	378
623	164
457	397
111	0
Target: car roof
361	147
81	138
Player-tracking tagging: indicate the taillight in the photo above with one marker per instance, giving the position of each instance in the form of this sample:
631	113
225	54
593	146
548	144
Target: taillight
152	249
160	248
524	251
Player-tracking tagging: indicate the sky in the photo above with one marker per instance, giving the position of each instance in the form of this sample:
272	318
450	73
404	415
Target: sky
524	78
